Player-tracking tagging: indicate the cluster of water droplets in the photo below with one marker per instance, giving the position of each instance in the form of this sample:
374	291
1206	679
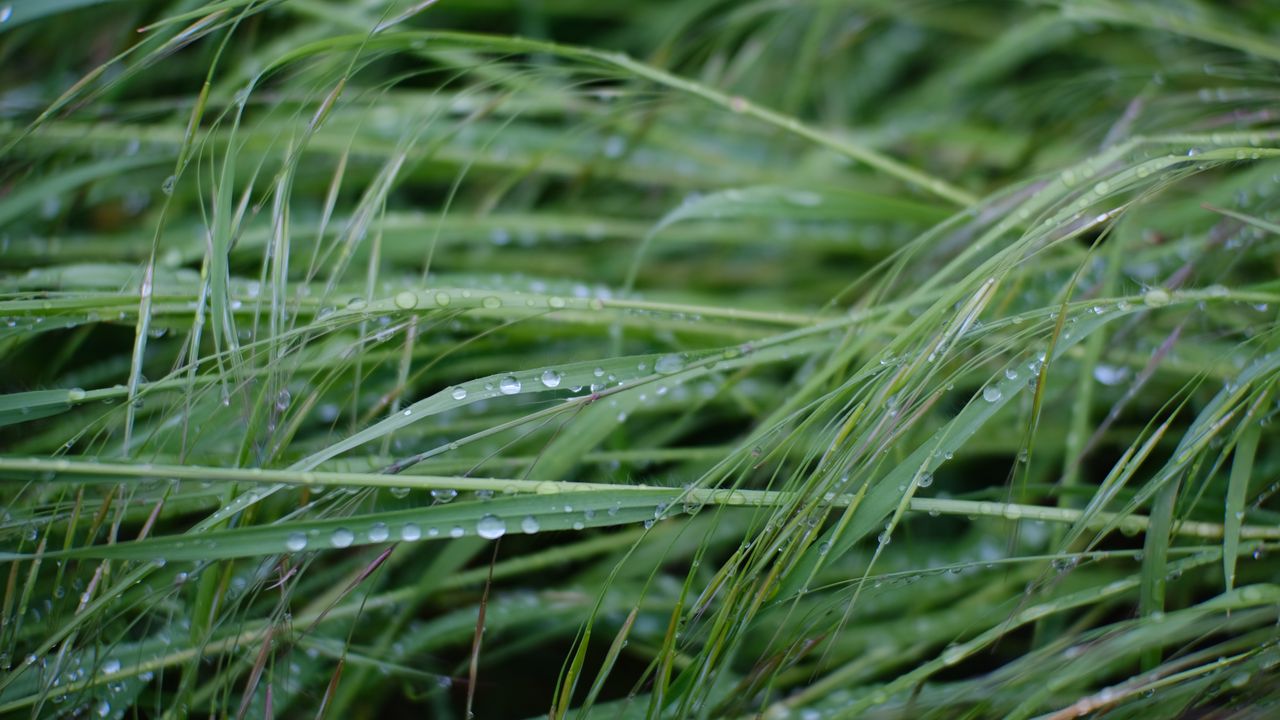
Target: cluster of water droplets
490	527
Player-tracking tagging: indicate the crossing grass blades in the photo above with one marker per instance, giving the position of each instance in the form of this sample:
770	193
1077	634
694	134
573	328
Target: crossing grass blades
639	360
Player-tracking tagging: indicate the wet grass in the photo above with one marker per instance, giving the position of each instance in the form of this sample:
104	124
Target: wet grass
700	359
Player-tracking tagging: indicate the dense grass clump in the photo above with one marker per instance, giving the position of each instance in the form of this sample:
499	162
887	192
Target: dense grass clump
639	360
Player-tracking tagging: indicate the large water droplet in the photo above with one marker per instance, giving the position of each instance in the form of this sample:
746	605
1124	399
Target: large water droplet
1156	297
530	525
444	495
458	393
1109	374
410	532
282	400
443	299
406	300
925	480
492	302
296	542
991	393
668	364
509	385
551	378
341	538
6	12
379	532
491	527
111	666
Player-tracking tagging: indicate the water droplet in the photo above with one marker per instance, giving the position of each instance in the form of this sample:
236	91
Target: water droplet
1109	374
6	12
167	186
1011	374
444	495
491	527
509	385
458	393
457	531
104	707
296	542
341	538
443	299
1156	297
614	146
952	655
551	378
530	525
925	480
111	666
804	198
991	393
668	364
410	532
379	532
406	300
75	394
492	302
282	400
